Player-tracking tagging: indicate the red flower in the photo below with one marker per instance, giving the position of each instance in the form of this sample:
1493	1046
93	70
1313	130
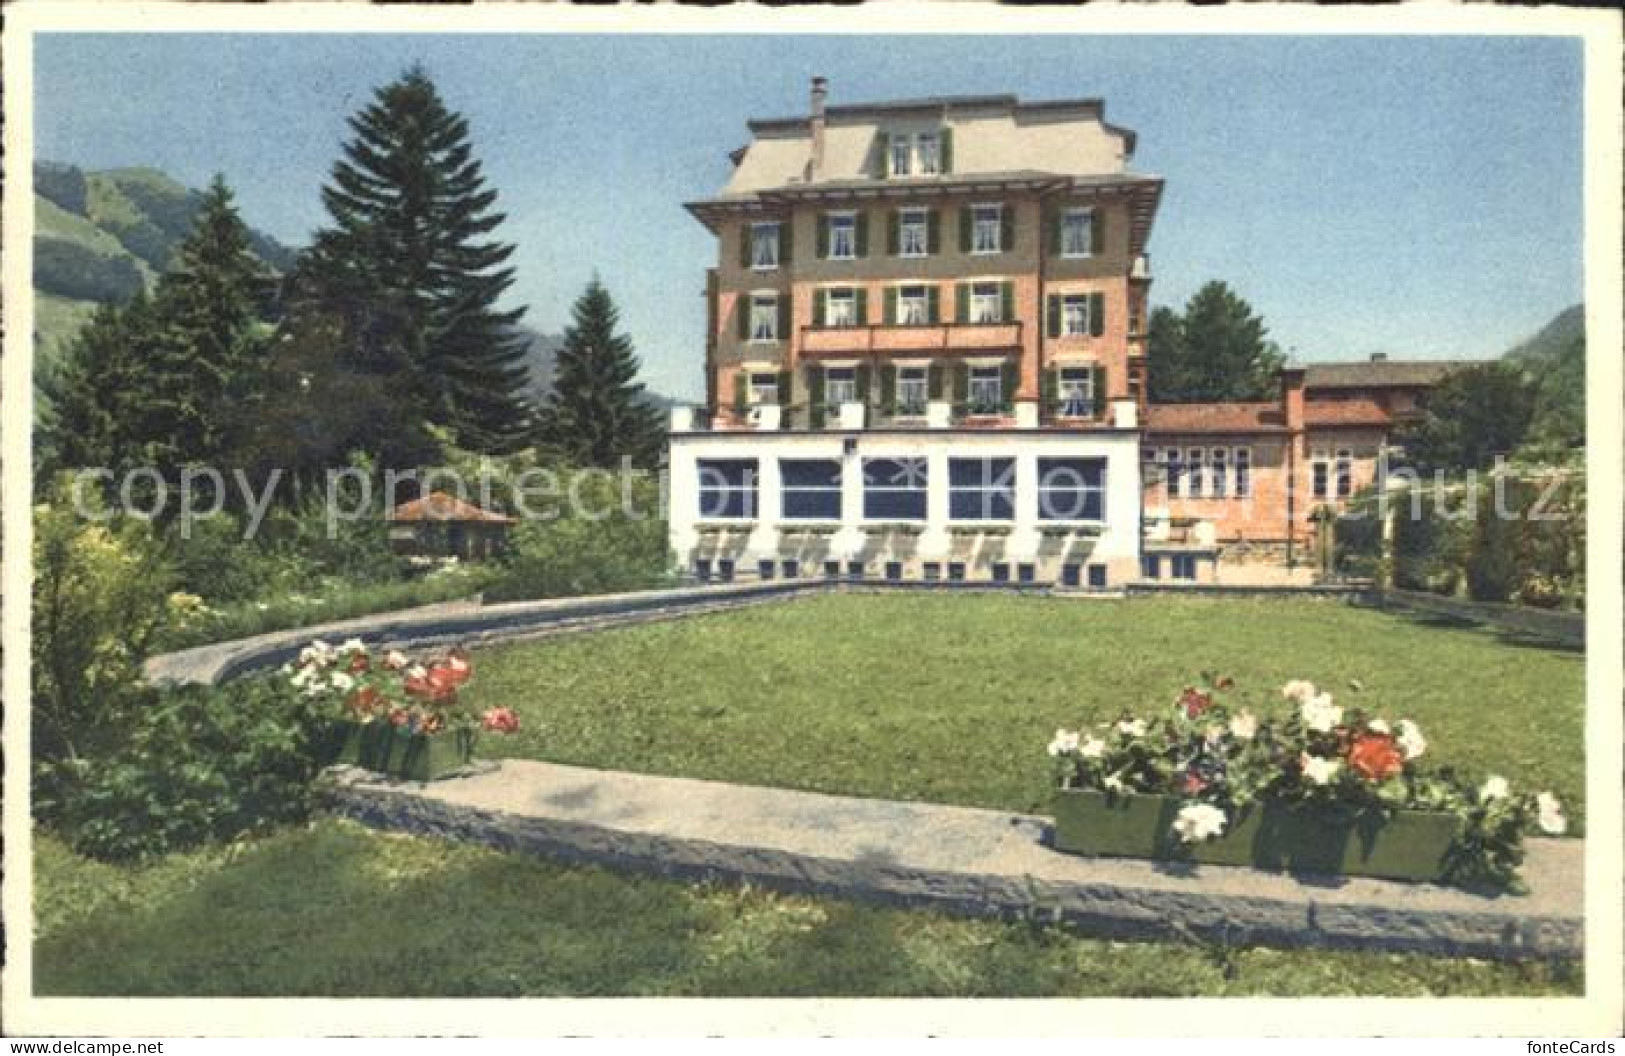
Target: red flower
399	717
359	663
1375	756
438	685
364	701
1192	784
1195	702
500	720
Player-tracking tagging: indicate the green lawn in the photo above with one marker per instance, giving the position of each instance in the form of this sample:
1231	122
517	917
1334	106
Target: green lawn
952	698
338	910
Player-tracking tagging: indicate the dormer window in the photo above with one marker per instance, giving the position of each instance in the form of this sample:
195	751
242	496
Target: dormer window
902	149
926	152
916	153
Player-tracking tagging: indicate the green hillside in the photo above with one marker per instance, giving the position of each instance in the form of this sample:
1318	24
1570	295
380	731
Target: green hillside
1555	360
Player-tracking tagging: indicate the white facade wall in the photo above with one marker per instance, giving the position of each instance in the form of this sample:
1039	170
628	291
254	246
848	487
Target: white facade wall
1113	543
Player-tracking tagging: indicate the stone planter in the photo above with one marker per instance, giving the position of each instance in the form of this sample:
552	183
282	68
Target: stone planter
396	752
1406	845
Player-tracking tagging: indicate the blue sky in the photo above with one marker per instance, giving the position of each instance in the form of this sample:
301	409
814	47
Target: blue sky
1414	195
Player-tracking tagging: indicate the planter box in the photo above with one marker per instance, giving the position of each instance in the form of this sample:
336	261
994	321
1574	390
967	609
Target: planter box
1407	845
392	750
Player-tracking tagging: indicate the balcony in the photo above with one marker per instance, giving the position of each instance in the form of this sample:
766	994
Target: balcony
933	414
910	340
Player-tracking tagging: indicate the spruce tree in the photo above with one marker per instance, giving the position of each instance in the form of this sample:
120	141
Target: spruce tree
94	409
1218	350
410	214
597	411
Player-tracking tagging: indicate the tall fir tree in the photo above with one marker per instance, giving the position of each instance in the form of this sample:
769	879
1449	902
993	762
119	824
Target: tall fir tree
94	414
410	214
597	411
1217	350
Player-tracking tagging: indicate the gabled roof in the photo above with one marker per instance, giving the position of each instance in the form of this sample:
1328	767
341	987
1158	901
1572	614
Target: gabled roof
1383	373
1185	418
438	506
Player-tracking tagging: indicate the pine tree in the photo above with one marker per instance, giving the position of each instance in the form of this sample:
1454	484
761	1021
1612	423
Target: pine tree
95	415
410	213
597	411
1218	350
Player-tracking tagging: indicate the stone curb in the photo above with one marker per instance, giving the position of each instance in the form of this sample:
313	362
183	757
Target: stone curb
962	860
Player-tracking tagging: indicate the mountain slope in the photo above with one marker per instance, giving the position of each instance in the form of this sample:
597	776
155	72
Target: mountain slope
1555	360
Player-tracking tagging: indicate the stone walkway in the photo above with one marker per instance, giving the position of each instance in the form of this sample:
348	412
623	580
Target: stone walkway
960	859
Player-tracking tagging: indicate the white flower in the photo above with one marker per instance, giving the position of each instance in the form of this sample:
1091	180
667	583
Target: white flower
343	682
1411	741
417	671
395	659
1298	690
1320	714
1199	821
1065	742
1112	783
1244	726
353	645
1378	726
1495	787
303	676
1093	748
1320	771
1132	728
1551	819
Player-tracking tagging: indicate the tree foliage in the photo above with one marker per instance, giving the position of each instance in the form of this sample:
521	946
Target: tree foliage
598	412
1469	418
1218	349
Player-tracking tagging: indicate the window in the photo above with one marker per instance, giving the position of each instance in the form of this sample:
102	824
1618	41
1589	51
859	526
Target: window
985	391
914	233
764	246
702	569
1026	572
727	487
810	489
1345	474
725	569
841	307
1219	471
984	302
894	570
894	489
843	236
1075	315
1001	571
1071	489
764	317
913	306
791	568
854	569
1195	473
1184	565
1320	474
840	385
1243	463
956	571
1097	576
1151	566
1076	234
927	152
931	570
982	489
832	569
902	152
912	383
985	228
764	388
765	569
1175	473
1076	390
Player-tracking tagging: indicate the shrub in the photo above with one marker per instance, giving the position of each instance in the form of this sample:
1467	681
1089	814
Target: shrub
1430	547
1492	564
197	764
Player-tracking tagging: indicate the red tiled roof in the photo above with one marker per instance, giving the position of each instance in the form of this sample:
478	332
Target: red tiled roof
438	506
1214	418
1345	412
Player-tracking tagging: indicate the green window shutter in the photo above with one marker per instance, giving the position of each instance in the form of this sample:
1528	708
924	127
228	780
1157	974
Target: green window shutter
894	232
787	240
933	304
884	168
861	235
1007	302
1055	224
961	384
1007	227
1049	385
933	380
933	231
1097	231
888	389
784	388
1052	315
820	307
962	302
1099	386
947	150
823	236
890	318
861	306
741	387
742	315
744	244
966	219
1009	382
861	376
784	317
1097	314
815	394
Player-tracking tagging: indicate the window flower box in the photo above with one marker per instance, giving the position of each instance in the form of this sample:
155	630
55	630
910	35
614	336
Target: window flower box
894	528
979	529
398	752
825	528
720	527
1315	838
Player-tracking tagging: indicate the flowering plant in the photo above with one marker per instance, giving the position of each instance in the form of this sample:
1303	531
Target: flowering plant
394	688
1220	756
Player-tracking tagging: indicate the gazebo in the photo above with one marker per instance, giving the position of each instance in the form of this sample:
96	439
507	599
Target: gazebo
439	525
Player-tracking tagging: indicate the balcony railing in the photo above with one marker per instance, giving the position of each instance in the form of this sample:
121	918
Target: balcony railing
932	414
875	339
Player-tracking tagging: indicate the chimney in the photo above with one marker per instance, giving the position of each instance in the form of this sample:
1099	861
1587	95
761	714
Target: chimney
1292	397
815	165
1379	357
